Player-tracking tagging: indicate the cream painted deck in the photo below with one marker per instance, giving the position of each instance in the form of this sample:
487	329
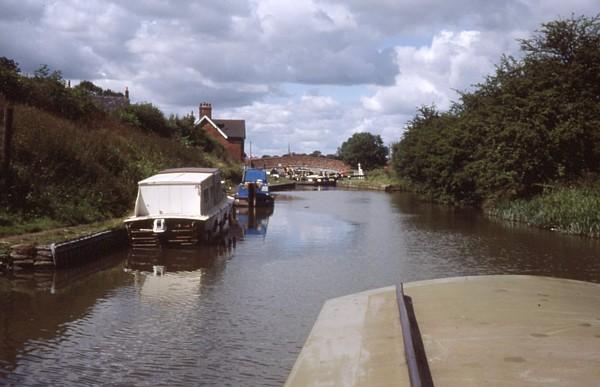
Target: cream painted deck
357	341
477	331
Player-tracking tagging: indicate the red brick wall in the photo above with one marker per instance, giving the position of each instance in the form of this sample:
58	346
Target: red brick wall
235	147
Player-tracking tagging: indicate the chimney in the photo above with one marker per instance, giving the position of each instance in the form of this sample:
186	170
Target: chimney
206	110
126	92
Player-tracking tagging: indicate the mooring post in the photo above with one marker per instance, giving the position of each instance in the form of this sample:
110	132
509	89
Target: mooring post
7	133
252	195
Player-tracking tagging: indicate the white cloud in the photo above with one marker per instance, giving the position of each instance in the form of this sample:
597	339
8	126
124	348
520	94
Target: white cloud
242	54
431	74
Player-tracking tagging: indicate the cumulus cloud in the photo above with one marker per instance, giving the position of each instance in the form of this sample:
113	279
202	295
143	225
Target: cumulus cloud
432	74
239	54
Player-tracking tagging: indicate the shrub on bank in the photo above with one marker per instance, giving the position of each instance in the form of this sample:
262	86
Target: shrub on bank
572	210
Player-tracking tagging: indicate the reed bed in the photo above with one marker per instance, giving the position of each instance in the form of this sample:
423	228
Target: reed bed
572	210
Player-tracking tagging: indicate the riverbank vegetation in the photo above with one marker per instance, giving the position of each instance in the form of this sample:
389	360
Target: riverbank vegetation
519	142
378	179
73	162
566	209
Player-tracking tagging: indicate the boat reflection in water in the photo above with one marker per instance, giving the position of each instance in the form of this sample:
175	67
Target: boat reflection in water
254	220
159	261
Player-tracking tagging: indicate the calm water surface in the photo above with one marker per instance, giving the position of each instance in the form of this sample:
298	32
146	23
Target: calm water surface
240	316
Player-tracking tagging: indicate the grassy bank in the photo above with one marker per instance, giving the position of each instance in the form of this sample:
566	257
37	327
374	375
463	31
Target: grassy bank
378	179
572	210
68	172
56	235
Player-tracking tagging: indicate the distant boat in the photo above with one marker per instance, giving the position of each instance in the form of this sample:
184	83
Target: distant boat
317	180
181	206
253	191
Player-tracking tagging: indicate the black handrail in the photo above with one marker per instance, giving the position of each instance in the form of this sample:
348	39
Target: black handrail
414	351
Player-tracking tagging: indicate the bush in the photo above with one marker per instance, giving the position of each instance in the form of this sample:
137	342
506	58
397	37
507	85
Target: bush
147	117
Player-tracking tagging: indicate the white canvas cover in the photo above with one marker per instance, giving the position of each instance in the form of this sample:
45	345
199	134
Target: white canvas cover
171	194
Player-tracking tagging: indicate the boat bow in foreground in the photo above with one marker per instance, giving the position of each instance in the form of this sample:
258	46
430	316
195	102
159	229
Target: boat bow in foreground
472	331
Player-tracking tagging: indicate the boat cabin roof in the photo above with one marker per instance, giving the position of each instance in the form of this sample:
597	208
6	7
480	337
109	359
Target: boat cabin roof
252	175
180	176
190	170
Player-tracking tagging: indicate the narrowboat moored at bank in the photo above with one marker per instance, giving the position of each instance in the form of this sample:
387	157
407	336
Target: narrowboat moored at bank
253	191
183	206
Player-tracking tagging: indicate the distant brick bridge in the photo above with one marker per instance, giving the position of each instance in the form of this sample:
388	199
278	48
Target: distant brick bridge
316	164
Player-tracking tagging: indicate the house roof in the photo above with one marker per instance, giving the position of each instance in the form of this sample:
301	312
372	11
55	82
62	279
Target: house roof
228	128
232	128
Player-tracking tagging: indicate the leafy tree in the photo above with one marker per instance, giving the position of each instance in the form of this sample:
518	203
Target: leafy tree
10	82
147	117
364	148
186	129
316	153
532	123
89	87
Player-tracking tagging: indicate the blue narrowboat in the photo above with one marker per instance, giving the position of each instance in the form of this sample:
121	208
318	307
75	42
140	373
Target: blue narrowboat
253	191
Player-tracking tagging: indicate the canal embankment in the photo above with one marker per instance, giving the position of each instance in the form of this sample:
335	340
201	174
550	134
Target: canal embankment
376	180
371	185
61	248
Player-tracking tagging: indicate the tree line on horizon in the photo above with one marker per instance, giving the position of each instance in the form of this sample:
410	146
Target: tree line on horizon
533	124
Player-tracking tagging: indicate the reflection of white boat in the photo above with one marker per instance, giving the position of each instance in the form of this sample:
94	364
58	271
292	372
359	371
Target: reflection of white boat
179	206
161	286
468	331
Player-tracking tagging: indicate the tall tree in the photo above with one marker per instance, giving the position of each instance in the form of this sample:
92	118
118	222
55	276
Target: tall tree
364	148
9	92
532	123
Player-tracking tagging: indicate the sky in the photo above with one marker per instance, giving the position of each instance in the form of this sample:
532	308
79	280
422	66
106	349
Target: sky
303	73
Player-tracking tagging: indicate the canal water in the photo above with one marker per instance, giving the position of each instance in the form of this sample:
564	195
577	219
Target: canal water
240	316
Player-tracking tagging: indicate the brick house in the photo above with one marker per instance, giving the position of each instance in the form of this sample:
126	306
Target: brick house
229	133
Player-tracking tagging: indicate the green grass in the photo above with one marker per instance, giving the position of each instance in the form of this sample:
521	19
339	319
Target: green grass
375	179
14	225
49	233
571	210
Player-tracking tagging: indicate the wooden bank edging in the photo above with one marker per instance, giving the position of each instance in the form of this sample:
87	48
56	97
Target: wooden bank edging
64	254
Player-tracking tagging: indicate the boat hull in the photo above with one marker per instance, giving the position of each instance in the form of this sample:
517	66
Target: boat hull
261	201
178	231
251	195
